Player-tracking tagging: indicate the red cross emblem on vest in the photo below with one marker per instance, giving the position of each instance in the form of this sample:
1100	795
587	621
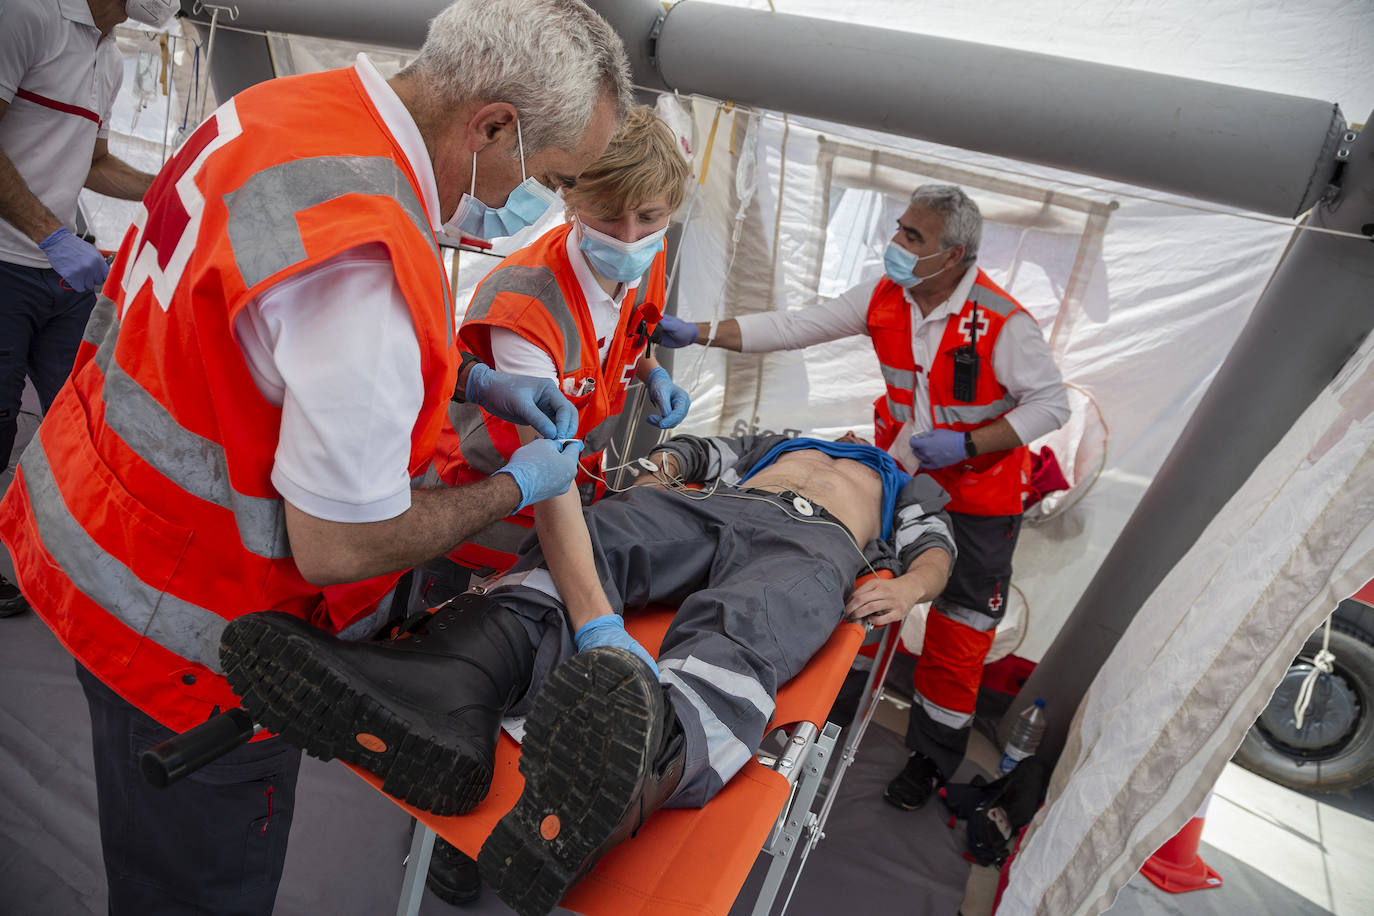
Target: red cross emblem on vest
966	326
995	603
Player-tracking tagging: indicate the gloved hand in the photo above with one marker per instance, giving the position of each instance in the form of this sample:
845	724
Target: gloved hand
938	448
671	400
76	261
674	332
543	468
522	399
609	630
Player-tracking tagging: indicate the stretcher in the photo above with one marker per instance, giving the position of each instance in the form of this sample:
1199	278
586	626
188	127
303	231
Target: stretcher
695	861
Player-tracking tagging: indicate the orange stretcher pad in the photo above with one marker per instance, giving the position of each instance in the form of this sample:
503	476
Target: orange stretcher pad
684	860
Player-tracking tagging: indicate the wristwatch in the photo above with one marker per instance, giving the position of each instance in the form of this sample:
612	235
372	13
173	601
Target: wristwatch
970	450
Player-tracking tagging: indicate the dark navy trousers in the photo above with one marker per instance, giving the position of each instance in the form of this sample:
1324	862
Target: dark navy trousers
41	323
213	844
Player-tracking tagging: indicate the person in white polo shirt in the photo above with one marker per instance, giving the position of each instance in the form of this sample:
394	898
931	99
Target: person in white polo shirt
59	74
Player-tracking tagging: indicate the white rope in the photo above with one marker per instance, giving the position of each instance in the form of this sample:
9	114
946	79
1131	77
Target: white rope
1321	664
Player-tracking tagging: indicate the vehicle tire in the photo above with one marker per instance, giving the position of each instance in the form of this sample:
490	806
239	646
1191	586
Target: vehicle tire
1334	750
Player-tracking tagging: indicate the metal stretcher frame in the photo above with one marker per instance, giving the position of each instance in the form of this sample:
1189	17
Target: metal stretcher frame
695	861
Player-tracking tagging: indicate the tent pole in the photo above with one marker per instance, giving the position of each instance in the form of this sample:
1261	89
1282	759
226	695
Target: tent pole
1261	151
1318	308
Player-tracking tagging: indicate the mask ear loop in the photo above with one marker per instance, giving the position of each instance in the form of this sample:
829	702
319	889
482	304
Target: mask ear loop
519	138
472	191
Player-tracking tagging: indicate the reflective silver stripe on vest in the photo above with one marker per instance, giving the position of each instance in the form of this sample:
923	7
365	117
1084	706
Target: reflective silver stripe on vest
905	379
429	480
187	629
990	300
190	461
600	435
900	412
973	413
262	226
501	535
642	292
538	283
479	452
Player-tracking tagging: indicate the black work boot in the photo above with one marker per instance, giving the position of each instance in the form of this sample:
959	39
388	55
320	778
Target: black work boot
452	875
603	750
912	788
423	712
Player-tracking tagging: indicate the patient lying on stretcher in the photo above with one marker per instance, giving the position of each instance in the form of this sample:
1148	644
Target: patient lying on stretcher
761	562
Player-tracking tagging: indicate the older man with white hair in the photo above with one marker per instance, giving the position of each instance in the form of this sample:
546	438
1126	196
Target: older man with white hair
969	382
260	384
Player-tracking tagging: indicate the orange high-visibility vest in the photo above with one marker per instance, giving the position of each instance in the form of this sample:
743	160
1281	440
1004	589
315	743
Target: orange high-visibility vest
143	517
536	294
988	484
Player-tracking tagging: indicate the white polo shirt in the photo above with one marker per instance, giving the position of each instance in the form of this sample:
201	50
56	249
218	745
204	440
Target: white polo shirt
60	80
335	347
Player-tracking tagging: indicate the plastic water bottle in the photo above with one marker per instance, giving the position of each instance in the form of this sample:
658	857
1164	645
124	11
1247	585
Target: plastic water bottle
1025	736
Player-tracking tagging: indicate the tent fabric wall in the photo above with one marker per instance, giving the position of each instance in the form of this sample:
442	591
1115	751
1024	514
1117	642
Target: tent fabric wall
1167	289
1200	659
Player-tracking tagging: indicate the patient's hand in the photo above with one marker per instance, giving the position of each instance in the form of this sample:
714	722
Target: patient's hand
882	601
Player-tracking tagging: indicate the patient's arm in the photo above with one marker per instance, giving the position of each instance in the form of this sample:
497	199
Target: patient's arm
568	550
886	600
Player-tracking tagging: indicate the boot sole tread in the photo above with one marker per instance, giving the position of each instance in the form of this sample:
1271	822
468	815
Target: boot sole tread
291	689
585	754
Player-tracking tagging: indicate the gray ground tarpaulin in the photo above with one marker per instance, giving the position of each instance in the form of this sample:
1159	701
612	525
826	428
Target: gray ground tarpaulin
348	841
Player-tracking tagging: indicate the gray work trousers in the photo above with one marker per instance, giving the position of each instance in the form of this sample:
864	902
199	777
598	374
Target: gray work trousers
759	589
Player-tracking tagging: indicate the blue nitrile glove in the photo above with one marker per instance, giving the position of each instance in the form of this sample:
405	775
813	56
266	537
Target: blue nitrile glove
543	468
938	448
75	260
522	399
674	332
609	630
671	400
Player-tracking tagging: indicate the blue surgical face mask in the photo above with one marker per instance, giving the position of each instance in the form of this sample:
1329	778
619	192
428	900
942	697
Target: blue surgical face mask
900	265
623	262
524	206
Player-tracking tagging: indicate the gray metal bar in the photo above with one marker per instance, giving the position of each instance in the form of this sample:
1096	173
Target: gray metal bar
1204	140
392	25
1258	150
1310	320
805	760
417	867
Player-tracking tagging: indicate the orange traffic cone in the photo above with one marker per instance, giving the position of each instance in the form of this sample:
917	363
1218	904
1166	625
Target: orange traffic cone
1176	867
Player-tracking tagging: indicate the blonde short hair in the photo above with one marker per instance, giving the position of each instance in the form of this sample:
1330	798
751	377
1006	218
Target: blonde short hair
641	163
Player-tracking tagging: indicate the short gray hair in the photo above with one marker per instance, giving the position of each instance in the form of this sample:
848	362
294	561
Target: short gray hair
963	221
554	60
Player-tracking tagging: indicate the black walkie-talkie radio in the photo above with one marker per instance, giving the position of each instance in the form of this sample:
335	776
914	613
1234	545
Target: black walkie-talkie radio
966	363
